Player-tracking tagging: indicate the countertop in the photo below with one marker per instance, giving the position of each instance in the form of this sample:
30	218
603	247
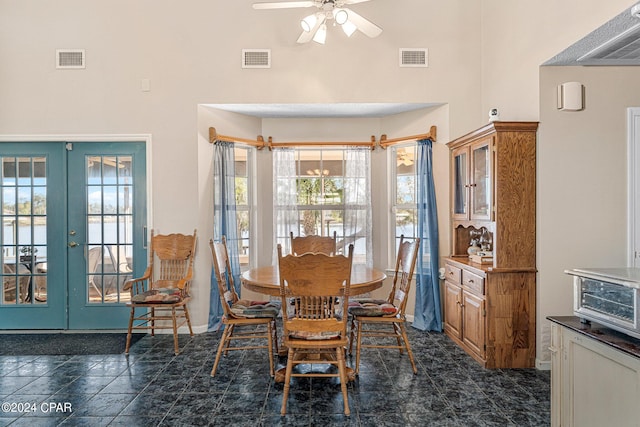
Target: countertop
600	333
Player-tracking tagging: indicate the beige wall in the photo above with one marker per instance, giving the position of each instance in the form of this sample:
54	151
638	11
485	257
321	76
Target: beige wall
582	182
518	36
482	54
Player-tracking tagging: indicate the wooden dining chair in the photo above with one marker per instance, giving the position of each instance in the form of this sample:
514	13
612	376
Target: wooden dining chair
244	320
322	244
314	325
162	292
386	316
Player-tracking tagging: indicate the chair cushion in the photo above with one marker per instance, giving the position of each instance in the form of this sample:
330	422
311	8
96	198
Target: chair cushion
247	308
159	295
305	335
372	309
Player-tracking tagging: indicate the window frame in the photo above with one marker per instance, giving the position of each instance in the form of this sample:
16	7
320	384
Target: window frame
249	207
327	207
393	198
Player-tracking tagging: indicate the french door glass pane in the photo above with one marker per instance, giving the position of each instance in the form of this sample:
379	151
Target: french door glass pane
109	228
24	230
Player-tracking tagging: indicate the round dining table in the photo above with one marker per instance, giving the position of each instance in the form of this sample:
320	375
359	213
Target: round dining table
266	280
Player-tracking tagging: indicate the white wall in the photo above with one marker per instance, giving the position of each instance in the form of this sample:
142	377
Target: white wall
519	35
482	54
582	183
190	52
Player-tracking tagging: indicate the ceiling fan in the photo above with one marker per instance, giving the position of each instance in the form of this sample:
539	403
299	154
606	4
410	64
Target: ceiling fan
314	26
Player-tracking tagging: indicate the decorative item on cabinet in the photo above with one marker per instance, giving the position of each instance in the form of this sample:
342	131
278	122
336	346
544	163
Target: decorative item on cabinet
474	243
489	302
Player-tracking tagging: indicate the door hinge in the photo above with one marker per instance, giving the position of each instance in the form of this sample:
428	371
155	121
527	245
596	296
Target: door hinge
68	146
484	312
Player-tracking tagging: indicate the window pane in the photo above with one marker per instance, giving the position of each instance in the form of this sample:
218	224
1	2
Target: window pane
405	189
406	222
94	199
405	218
309	191
243	203
39	171
110	200
242	191
8	171
109	170
94	170
405	164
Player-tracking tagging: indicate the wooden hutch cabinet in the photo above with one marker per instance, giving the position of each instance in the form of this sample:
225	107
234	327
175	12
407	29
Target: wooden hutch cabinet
489	307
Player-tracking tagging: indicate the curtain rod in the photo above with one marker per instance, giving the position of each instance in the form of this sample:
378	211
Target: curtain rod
384	142
371	144
260	143
214	137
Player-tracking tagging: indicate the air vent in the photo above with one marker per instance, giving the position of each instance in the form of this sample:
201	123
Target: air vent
256	58
623	49
70	59
414	57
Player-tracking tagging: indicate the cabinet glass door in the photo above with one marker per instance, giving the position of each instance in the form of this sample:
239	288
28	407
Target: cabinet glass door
460	185
481	171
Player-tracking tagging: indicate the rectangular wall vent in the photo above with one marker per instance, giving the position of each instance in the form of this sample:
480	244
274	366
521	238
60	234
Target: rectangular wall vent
256	58
414	57
70	59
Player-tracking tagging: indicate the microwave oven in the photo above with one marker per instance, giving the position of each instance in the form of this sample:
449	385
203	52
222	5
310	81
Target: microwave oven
608	296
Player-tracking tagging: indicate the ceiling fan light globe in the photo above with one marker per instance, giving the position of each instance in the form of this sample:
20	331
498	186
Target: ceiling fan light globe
349	28
341	16
308	22
321	34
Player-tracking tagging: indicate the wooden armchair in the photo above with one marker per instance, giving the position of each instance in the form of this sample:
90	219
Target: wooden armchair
314	324
314	244
163	291
244	321
389	313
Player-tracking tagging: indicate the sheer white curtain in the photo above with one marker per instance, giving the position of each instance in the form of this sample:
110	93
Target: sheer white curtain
285	204
357	204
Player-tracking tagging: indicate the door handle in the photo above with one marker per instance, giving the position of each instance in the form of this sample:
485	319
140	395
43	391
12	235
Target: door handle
72	244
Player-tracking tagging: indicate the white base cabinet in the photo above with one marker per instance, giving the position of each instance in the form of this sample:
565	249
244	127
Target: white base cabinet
592	383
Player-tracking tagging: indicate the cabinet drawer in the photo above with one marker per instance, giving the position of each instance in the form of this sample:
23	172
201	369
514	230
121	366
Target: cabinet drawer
473	282
453	274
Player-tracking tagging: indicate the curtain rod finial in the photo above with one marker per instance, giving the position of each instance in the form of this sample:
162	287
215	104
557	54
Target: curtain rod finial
213	135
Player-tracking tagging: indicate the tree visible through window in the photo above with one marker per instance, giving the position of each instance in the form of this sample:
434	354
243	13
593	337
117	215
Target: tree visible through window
321	200
243	158
405	218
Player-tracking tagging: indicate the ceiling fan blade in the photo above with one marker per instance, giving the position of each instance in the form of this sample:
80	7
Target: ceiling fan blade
354	1
363	24
307	36
283	5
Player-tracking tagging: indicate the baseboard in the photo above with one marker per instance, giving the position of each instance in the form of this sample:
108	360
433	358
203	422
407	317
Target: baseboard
543	365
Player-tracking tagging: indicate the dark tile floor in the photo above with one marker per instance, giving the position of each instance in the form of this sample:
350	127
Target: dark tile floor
152	387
